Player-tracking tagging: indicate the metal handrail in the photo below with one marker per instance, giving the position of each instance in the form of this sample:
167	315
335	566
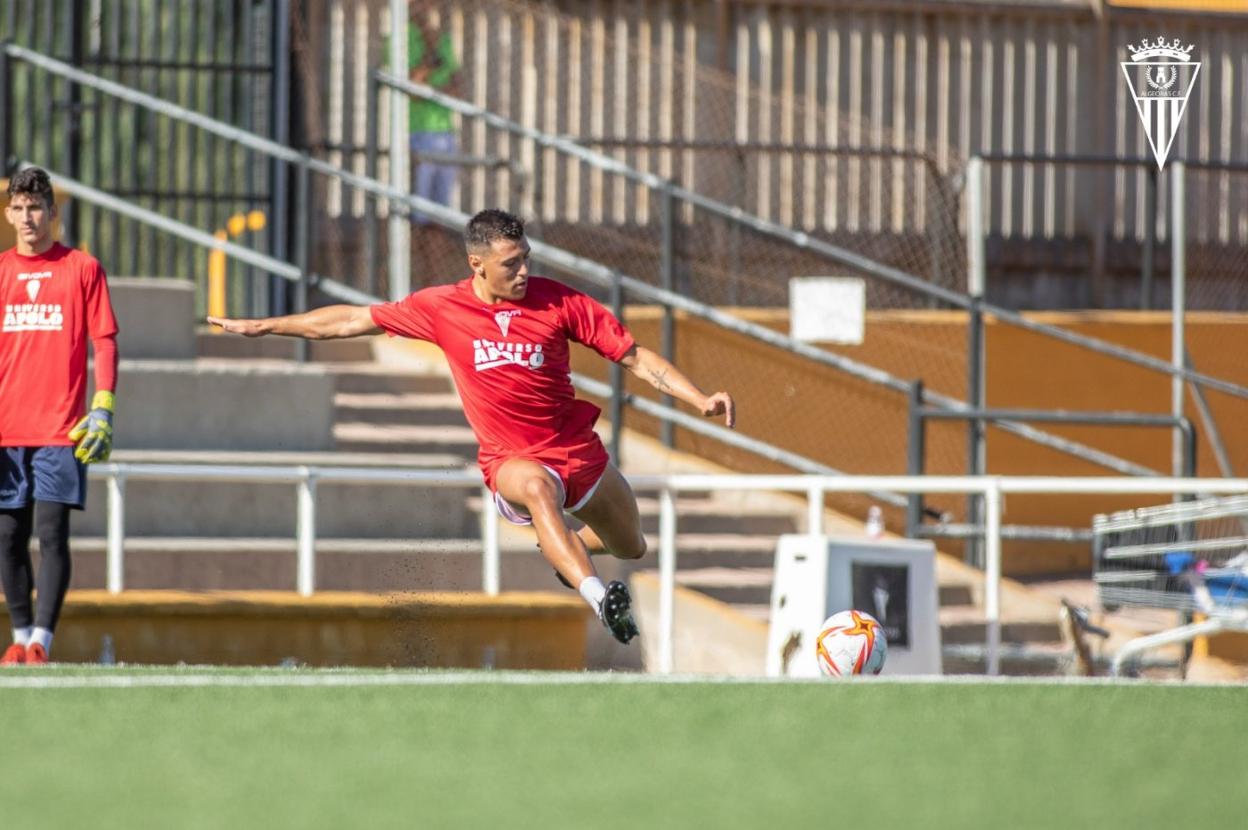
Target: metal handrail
803	240
560	259
757	332
349	294
991	488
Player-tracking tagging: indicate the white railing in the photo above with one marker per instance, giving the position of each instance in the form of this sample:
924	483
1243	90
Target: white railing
992	488
304	479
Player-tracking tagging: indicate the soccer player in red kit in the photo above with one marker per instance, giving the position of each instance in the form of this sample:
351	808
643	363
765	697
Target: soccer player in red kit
506	336
54	298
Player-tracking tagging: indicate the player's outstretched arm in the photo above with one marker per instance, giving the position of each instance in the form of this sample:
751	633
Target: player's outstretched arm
328	323
656	370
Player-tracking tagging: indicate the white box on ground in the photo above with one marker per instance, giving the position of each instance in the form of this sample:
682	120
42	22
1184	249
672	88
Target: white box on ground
894	580
828	309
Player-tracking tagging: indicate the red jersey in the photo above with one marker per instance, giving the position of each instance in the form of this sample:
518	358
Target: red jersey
511	361
53	303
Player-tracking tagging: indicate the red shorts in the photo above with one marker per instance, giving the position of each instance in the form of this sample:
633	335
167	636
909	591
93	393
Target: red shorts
578	465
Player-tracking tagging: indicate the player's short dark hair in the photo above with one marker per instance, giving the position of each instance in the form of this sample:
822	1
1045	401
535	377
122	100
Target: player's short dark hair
32	182
490	225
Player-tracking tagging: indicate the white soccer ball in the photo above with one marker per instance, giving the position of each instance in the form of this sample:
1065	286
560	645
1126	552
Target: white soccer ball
850	642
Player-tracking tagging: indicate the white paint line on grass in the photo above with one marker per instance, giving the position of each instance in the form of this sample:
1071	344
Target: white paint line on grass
200	677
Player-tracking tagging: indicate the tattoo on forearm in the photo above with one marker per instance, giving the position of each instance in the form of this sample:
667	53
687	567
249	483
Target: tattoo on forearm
659	379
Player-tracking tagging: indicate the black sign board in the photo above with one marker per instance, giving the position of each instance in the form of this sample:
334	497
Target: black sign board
883	591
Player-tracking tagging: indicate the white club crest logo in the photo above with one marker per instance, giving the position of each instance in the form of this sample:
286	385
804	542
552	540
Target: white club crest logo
1161	76
503	319
32	289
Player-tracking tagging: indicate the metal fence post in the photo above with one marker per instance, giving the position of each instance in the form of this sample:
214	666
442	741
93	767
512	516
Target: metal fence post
1147	266
490	552
915	451
280	201
667	275
399	238
6	109
667	578
976	285
305	577
1178	295
370	200
616	371
814	510
116	566
303	253
992	575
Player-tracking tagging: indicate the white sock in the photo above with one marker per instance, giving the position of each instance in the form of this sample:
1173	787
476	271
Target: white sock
43	637
593	591
21	636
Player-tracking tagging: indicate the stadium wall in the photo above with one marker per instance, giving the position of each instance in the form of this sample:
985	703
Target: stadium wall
717	96
268	628
860	428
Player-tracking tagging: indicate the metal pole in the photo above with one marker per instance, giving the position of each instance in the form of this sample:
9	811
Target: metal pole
279	241
305	579
667	578
489	531
116	565
1147	266
400	230
976	280
814	511
370	200
6	110
70	232
915	450
1178	293
992	574
667	273
616	372
303	254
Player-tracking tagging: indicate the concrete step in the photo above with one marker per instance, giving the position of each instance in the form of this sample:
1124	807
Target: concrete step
380	438
212	342
746	582
155	317
240	509
208	404
201	564
966	625
373	378
430	409
704	516
1014	659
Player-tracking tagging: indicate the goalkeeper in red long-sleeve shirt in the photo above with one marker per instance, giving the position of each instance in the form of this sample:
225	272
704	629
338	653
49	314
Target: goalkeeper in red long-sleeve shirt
54	299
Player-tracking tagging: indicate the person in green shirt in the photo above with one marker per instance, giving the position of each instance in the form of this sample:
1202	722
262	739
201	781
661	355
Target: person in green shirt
431	60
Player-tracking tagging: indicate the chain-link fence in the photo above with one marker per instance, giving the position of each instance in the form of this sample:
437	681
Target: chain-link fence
216	58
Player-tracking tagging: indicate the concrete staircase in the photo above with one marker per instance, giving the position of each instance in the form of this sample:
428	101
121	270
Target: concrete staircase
215	398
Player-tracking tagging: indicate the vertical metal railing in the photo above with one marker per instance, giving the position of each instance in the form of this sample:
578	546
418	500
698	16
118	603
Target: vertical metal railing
303	245
667	281
305	533
6	110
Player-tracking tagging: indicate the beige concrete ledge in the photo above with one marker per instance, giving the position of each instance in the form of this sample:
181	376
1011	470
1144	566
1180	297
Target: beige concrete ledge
517	630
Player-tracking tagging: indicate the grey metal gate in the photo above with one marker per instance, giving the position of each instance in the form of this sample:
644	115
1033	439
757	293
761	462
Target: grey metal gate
224	58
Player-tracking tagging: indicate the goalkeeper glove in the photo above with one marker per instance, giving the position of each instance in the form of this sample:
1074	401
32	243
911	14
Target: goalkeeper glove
93	436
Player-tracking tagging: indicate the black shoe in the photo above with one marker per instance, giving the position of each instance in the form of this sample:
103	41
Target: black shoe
616	612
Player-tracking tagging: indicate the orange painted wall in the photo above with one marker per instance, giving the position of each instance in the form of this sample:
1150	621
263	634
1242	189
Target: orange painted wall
854	426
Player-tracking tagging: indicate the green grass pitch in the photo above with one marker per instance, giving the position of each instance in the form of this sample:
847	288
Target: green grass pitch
438	749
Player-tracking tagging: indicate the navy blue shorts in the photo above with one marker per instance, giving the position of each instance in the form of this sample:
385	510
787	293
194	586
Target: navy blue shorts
41	474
